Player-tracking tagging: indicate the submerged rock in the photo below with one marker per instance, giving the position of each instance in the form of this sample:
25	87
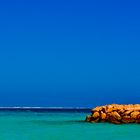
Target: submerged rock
115	113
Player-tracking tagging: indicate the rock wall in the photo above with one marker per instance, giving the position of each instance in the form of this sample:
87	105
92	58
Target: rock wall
115	113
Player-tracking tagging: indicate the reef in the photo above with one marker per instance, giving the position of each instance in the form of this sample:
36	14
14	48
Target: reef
115	113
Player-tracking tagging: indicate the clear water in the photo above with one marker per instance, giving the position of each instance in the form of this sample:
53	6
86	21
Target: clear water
61	125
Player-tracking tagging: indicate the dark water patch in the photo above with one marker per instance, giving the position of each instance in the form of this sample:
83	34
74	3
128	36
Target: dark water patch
59	122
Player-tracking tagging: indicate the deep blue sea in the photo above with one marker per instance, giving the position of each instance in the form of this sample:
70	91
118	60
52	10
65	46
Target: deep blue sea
60	124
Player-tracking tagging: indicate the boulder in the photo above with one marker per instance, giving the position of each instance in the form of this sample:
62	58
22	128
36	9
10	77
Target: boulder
95	115
116	115
126	113
128	119
134	114
103	115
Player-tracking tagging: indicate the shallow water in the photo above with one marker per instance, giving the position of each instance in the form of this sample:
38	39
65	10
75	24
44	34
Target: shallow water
60	125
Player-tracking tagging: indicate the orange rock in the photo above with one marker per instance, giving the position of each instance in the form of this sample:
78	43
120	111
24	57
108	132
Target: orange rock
127	112
104	109
96	114
135	114
116	115
107	116
120	109
137	108
96	109
88	118
127	119
138	119
110	109
103	115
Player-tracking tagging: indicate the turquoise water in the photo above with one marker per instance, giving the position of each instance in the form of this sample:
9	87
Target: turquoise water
60	126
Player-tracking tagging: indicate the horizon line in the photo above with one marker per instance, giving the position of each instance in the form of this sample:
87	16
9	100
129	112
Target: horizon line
38	107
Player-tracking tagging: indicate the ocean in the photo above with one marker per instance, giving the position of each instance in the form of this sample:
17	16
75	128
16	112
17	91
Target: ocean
59	124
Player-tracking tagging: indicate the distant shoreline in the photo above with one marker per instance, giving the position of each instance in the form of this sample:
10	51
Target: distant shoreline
47	109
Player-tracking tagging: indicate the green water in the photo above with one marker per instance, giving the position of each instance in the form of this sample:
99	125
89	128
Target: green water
61	126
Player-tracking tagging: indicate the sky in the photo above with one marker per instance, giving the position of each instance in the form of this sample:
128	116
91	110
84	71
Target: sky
69	53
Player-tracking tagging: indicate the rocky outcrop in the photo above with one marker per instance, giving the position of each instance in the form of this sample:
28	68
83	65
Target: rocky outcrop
115	113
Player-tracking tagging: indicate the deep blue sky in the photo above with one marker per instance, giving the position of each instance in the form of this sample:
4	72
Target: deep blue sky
69	53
